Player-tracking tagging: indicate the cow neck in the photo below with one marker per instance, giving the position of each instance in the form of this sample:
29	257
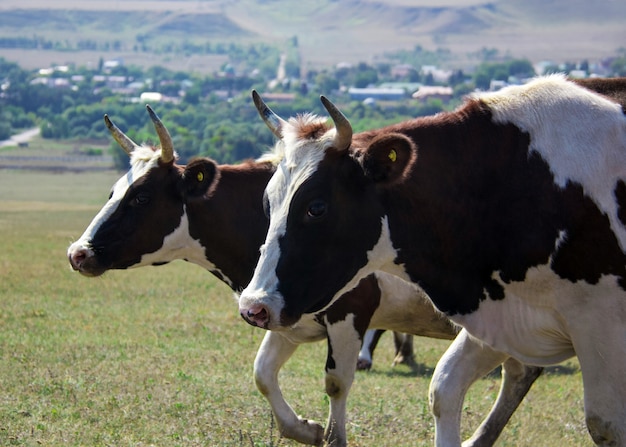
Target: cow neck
448	188
230	223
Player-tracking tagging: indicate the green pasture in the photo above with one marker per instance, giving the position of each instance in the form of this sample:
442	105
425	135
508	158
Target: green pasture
158	356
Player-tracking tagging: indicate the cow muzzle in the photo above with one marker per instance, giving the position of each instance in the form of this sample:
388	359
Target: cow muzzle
256	315
82	259
262	310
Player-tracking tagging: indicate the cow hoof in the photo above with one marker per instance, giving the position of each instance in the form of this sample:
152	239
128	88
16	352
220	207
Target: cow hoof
404	360
305	432
335	438
363	365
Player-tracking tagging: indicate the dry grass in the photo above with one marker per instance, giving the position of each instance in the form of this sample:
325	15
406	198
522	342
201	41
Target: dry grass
159	356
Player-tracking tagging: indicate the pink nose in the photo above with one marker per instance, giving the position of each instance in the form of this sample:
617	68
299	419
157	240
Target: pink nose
256	315
77	257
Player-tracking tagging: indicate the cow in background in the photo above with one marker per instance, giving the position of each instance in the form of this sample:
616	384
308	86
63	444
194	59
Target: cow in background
213	216
402	342
509	213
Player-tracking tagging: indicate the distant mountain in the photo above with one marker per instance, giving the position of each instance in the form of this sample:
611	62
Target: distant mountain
560	30
330	31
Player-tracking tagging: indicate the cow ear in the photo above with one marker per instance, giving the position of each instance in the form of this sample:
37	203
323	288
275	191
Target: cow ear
388	158
199	177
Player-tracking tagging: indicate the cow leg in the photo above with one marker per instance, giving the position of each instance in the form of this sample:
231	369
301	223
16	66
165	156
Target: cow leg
517	379
344	343
465	361
275	350
601	351
366	355
404	349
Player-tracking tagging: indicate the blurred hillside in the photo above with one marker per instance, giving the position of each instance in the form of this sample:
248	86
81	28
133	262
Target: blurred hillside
149	32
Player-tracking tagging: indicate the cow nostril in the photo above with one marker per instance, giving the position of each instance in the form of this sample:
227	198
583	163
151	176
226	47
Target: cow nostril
257	314
77	258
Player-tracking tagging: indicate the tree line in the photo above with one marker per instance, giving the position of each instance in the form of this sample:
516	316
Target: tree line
203	123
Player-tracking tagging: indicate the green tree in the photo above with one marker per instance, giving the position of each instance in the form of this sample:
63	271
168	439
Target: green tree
193	95
5	130
618	66
501	71
365	75
326	83
521	68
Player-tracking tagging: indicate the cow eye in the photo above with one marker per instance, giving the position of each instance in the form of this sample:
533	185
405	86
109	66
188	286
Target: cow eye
316	209
140	200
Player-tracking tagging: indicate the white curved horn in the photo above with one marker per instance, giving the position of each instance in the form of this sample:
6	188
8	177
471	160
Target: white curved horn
120	137
167	146
343	137
273	121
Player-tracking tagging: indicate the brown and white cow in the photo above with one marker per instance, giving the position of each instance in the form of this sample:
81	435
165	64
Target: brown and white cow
509	212
213	216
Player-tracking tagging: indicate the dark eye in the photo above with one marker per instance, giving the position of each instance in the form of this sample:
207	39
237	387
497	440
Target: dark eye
316	209
140	200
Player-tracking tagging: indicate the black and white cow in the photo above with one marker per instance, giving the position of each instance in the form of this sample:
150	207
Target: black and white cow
402	342
213	216
509	212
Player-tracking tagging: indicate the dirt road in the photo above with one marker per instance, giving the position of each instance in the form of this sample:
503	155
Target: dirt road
20	137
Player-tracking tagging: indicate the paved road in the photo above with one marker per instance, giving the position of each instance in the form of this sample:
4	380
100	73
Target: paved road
20	137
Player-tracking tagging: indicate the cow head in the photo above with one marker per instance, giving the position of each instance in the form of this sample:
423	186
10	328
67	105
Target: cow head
326	215
144	221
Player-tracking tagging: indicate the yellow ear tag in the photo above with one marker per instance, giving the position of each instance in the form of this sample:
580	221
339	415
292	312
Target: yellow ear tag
392	155
200	176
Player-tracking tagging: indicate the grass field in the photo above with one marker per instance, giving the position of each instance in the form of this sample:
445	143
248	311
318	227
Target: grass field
158	356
